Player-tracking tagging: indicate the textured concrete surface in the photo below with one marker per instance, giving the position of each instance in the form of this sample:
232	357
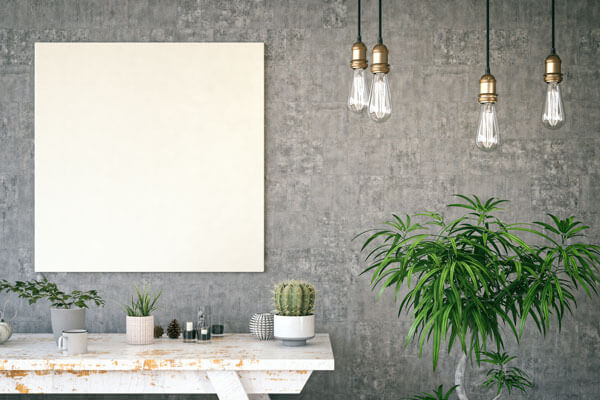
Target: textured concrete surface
330	174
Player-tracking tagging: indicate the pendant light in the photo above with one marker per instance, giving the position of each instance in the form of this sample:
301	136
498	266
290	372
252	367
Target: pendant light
380	102
553	115
488	136
358	99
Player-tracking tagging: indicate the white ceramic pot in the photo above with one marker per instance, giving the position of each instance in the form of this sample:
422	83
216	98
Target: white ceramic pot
66	318
5	331
294	331
140	330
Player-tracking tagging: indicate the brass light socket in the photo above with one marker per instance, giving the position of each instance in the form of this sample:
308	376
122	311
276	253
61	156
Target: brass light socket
552	69
487	89
380	59
359	56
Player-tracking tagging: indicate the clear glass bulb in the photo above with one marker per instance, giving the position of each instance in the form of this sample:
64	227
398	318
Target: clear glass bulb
488	136
358	99
553	115
380	101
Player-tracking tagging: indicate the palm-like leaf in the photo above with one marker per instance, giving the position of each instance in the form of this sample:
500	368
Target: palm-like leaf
437	394
502	376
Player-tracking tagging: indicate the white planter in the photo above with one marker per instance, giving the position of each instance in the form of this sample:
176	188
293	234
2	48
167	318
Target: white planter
294	331
5	331
66	318
140	330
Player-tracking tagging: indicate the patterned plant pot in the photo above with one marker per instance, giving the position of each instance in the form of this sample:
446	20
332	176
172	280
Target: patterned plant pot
261	326
140	330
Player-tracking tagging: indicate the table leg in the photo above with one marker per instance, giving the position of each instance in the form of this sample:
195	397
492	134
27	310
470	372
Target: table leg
227	385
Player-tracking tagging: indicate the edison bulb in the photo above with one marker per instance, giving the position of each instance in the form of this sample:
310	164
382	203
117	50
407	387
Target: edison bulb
358	99
553	115
488	136
380	101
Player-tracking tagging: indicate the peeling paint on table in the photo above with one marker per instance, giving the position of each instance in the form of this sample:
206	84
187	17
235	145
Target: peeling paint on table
31	363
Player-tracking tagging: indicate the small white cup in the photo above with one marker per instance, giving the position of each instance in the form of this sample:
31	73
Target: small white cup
73	341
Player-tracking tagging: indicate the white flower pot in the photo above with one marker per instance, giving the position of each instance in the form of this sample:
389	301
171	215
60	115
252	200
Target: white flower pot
294	331
140	330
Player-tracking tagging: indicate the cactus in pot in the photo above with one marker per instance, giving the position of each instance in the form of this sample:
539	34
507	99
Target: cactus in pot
294	319
293	298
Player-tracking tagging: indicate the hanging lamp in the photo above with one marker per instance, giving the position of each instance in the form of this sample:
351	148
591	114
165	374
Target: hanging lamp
488	136
358	99
553	115
380	102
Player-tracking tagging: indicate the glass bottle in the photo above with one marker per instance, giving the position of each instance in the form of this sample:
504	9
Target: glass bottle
203	327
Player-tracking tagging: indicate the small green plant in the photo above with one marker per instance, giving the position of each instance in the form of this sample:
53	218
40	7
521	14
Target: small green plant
144	304
293	298
435	395
35	290
502	376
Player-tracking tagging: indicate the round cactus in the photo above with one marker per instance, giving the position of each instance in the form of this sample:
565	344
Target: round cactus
293	298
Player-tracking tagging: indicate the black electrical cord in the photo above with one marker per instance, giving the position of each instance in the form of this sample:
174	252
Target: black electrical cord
553	48
487	36
359	39
380	40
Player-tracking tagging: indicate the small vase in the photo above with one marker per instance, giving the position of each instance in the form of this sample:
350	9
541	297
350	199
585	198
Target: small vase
140	330
261	326
64	319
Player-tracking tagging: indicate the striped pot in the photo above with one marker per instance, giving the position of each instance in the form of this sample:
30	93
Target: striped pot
261	326
140	330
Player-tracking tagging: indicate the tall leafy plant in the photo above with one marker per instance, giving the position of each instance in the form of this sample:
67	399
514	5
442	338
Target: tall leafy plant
37	289
469	277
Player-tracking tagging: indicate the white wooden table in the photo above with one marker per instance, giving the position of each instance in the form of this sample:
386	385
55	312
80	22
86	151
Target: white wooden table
235	367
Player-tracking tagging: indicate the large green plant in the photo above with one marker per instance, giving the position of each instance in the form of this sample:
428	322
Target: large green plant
35	290
469	277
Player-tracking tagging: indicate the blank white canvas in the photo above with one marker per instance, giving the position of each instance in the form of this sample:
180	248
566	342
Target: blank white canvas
149	157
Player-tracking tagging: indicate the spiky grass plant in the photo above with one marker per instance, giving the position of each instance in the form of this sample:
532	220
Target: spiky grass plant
144	304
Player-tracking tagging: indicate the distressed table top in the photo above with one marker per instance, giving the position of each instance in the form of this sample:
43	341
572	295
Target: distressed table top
110	352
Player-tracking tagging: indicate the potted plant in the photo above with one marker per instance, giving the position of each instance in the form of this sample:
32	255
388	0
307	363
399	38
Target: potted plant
140	321
294	321
68	309
473	276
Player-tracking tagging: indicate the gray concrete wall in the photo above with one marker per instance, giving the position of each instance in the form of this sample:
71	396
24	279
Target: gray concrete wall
330	174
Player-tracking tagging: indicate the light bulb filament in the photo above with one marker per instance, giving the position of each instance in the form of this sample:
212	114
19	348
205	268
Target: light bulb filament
488	137
380	102
553	115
